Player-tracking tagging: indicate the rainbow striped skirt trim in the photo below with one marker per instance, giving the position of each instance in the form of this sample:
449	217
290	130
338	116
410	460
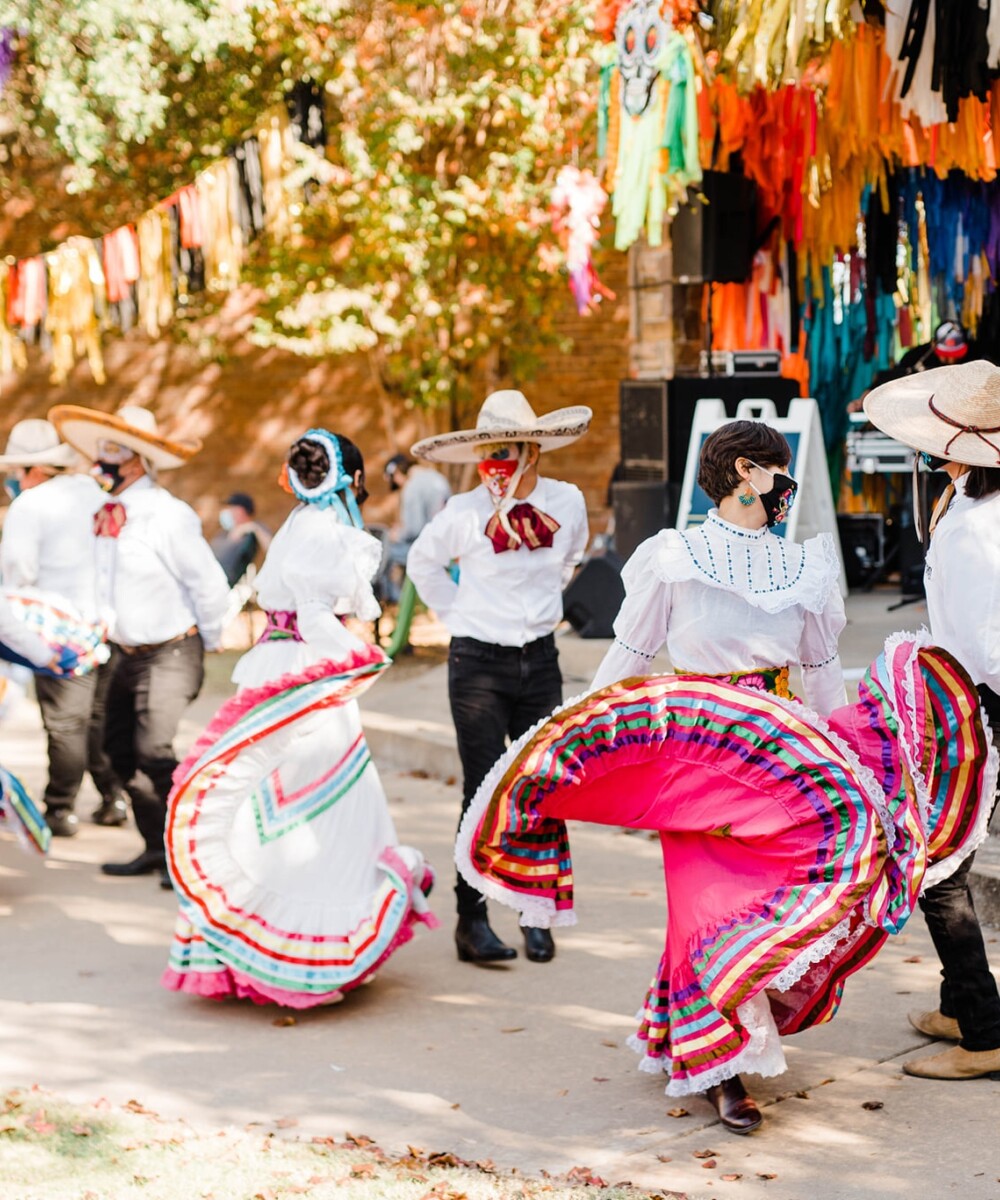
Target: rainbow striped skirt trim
792	846
291	883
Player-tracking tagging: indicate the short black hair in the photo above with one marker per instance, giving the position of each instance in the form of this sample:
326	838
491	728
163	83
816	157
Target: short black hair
398	462
717	475
242	500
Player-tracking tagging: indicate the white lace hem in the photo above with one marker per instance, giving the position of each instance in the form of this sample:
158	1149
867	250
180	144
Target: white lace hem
762	1056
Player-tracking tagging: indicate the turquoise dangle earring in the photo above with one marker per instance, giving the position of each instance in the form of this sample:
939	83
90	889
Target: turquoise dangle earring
747	498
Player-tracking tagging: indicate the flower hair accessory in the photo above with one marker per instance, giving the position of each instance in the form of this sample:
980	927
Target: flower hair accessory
336	490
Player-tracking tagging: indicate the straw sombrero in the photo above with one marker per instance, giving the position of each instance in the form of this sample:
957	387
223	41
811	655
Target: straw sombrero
35	443
507	417
950	412
130	426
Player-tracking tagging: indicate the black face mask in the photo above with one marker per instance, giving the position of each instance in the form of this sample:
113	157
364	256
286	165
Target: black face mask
108	475
779	499
931	462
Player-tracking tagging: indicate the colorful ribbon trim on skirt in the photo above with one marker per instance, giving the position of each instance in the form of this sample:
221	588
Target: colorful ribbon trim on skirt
281	627
763	679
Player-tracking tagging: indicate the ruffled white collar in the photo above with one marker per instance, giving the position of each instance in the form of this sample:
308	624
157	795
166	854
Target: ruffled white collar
769	572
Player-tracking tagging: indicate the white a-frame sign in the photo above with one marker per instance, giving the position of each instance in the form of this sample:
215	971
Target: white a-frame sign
814	511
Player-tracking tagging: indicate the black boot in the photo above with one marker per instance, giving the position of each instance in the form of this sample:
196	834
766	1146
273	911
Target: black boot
737	1111
63	822
145	864
112	811
476	942
538	944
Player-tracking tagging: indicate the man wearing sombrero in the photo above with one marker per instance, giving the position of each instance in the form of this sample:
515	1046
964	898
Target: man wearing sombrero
517	538
46	546
166	597
951	415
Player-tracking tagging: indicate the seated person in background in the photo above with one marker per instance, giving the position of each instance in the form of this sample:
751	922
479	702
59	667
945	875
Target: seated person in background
424	492
236	546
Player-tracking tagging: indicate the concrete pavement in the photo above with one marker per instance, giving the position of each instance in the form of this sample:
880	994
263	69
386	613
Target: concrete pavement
525	1065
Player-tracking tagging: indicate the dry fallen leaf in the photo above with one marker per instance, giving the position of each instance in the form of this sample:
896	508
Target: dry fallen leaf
564	1092
456	1106
282	1022
363	1170
360	1140
38	1123
600	1079
704	1153
664	1158
82	1130
286	1122
731	1178
136	1107
766	1175
913	958
513	1029
873	1105
709	1163
323	1141
585	1176
677	1112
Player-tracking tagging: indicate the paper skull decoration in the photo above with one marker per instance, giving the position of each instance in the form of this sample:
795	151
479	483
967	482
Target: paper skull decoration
640	33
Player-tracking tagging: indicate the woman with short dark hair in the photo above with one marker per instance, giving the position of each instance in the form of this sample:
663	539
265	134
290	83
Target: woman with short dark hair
292	885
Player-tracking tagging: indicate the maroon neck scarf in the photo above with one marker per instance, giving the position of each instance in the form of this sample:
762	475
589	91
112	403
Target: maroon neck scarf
534	528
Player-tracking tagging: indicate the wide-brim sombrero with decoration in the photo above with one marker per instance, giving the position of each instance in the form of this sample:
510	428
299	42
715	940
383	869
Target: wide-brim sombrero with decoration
131	426
950	412
506	416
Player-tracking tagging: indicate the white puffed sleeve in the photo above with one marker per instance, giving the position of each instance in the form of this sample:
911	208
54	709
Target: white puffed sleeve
331	563
822	674
641	624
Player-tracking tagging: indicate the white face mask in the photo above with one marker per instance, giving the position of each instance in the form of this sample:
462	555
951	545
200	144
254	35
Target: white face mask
227	520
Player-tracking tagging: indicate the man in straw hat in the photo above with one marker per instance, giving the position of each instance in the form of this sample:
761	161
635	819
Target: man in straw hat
47	545
517	538
951	415
168	595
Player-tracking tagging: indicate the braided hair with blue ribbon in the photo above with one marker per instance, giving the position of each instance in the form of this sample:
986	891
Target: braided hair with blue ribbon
336	489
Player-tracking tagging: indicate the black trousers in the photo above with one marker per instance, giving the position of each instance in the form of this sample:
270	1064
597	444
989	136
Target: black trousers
73	713
968	989
148	695
495	692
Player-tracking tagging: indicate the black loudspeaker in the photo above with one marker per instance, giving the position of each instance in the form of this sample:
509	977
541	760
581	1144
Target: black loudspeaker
714	238
911	554
641	509
643	425
862	540
592	600
685	391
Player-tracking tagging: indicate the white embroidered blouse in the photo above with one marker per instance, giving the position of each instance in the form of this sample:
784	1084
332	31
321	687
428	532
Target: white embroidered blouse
725	599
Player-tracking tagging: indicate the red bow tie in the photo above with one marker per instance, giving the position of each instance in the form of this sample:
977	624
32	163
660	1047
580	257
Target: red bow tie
109	520
536	529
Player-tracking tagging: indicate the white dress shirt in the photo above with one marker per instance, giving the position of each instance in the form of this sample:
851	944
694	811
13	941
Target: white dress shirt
507	599
159	577
725	599
962	582
48	541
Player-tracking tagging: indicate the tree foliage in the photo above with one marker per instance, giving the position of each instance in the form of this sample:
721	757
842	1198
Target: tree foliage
422	236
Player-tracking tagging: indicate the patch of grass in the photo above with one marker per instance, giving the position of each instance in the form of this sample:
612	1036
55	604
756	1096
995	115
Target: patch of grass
52	1150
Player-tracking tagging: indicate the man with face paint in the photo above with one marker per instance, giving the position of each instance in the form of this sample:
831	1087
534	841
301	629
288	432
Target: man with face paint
47	545
732	600
166	597
517	539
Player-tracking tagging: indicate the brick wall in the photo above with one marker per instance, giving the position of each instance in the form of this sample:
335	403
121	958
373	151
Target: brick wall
248	404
